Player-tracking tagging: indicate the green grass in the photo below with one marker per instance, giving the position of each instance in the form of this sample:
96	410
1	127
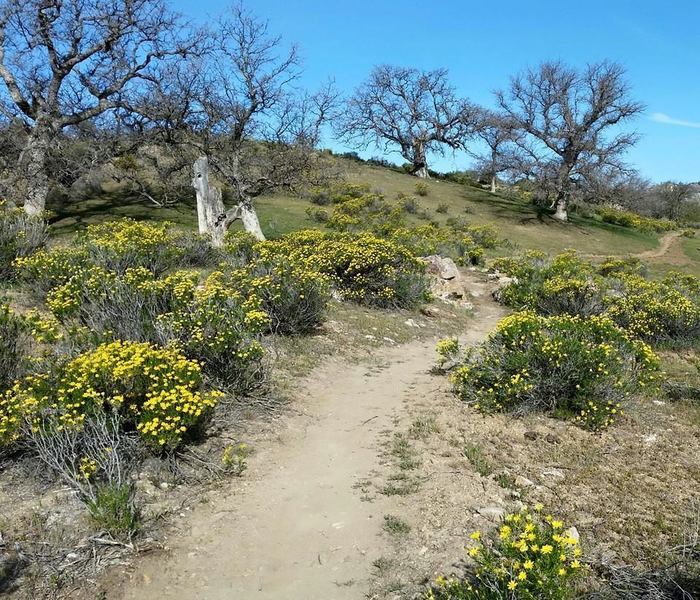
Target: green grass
281	213
396	525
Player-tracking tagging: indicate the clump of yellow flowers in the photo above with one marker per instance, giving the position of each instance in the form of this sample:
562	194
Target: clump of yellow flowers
362	267
155	390
571	367
530	556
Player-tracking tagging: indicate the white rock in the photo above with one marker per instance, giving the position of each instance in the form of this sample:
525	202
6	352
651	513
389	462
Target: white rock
493	513
552	472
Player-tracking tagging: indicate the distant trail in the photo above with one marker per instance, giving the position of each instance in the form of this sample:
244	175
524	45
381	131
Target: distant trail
669	249
295	527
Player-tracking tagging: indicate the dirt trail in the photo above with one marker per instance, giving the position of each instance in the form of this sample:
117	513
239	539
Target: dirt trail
669	250
296	527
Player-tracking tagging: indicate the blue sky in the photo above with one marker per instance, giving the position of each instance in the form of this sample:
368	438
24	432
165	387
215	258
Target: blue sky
483	43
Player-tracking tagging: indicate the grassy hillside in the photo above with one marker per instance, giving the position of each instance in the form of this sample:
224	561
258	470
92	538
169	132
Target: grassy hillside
517	221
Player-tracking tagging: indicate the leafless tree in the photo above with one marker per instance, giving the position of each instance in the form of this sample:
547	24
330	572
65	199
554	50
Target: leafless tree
671	196
564	117
413	111
64	62
256	131
495	132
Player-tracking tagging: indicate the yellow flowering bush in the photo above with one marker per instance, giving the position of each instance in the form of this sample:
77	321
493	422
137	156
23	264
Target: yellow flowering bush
571	367
447	349
122	306
12	346
530	557
47	269
626	218
657	311
363	268
155	390
20	236
293	295
220	327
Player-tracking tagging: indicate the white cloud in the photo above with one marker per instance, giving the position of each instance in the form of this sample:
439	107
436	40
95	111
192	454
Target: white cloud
663	118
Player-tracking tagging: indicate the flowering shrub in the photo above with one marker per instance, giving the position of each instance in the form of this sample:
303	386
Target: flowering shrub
293	295
657	311
120	306
123	244
239	247
12	338
571	367
530	557
563	285
447	349
220	328
156	390
20	236
626	218
46	269
369	212
362	267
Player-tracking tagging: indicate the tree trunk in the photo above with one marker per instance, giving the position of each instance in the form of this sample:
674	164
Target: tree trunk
35	180
212	216
493	184
420	163
561	214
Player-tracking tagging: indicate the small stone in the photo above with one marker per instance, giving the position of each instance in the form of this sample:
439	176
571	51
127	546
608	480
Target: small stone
554	473
523	482
164	485
572	532
493	513
552	438
531	435
411	323
430	311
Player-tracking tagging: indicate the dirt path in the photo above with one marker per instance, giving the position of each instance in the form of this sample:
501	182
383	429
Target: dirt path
296	527
669	251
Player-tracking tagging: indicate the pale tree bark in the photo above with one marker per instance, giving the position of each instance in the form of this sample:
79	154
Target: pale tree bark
561	210
212	217
493	184
420	162
32	175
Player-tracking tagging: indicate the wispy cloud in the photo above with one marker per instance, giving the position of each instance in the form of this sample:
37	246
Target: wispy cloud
663	118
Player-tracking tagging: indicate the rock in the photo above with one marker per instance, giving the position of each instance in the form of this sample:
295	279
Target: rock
651	438
552	438
411	323
164	485
553	473
531	435
430	311
11	565
572	532
524	482
445	268
493	276
493	513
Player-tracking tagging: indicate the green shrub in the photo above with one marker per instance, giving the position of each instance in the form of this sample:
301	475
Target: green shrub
442	208
113	511
12	347
20	236
409	204
530	558
422	188
567	366
239	247
361	267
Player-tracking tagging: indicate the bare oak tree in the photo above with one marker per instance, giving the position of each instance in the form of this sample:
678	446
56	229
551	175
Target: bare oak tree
410	110
64	62
564	117
494	131
256	132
